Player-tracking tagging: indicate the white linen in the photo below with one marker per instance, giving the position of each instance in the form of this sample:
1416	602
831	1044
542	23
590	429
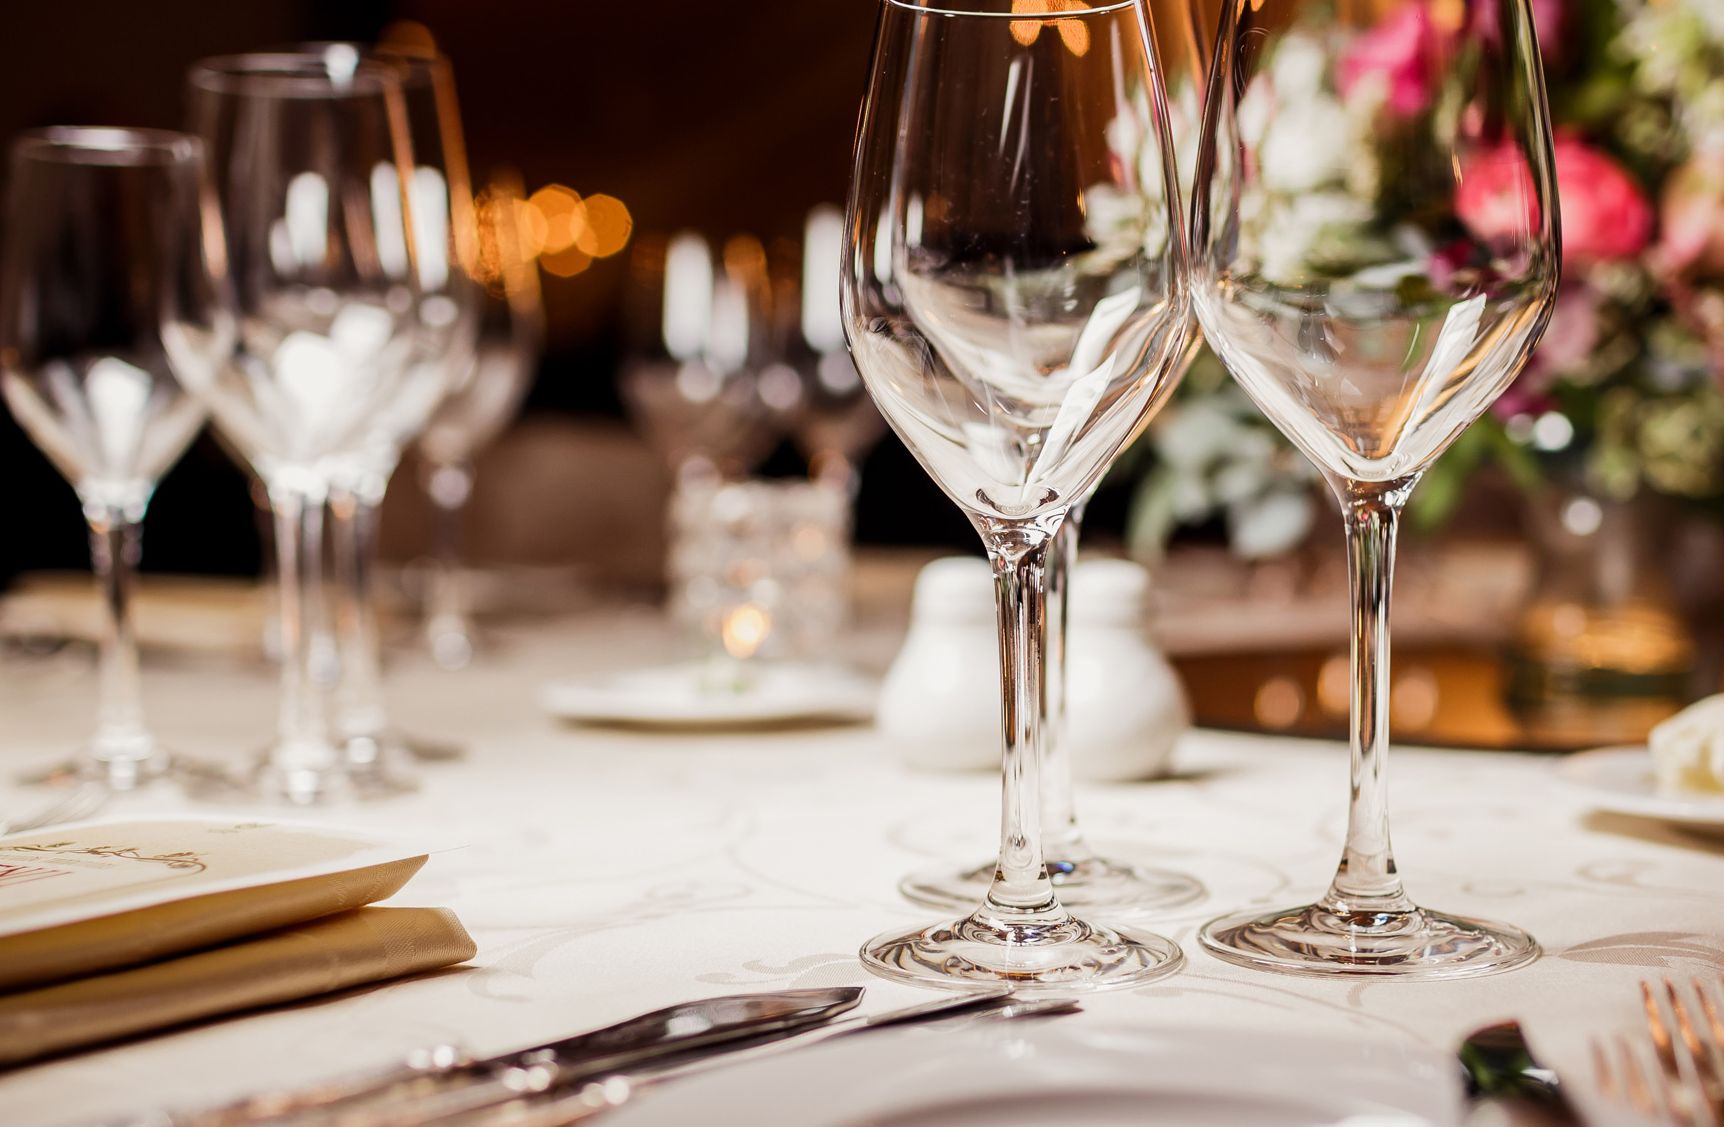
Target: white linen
604	873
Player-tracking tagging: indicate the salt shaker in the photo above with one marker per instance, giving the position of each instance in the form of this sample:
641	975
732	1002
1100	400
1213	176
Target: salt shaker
940	703
1125	707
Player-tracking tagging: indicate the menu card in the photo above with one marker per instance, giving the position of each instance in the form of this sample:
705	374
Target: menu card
102	895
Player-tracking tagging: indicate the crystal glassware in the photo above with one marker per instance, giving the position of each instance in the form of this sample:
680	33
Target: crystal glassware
1088	881
450	303
480	405
105	245
314	176
699	332
1376	253
1015	299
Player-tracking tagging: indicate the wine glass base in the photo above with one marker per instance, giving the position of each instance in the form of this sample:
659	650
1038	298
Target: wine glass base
1416	944
118	775
1085	884
1070	958
269	783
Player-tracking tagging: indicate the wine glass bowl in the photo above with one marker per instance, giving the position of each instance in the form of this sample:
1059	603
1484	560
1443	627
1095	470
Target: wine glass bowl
1014	296
1375	254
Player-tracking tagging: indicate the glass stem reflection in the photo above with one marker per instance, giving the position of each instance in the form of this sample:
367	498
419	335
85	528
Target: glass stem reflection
1021	894
115	541
1366	883
360	697
304	743
447	627
1062	842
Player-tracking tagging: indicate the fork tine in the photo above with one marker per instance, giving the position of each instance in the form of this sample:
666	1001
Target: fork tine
1662	1043
1633	1081
1706	1043
1601	1069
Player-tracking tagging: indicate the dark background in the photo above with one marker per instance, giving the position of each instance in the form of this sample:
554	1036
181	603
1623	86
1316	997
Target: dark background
718	117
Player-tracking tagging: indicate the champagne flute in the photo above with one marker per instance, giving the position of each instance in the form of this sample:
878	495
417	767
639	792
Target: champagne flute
313	169
1376	254
1087	880
1015	341
105	245
482	402
449	307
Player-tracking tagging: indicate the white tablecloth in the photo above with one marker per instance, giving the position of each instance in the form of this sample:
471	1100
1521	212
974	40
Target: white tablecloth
604	873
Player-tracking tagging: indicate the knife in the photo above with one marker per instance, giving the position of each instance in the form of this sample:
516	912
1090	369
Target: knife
630	1043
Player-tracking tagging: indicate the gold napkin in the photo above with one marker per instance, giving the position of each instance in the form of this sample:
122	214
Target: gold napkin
52	954
334	953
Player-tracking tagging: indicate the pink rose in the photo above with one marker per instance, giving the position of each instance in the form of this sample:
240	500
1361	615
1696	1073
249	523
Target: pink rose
1605	215
1399	53
1692	216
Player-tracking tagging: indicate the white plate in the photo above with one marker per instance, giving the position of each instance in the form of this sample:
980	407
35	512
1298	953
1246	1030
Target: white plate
1066	1074
1619	779
683	696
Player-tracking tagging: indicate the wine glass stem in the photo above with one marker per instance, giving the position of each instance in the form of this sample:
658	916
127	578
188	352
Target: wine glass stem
1062	840
1366	883
114	547
449	485
304	741
360	699
1021	894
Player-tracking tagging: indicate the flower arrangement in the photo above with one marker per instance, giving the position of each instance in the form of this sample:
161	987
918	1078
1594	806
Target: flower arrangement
1626	388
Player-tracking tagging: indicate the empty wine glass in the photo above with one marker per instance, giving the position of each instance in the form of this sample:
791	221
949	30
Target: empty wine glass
1376	254
835	420
313	170
1088	881
105	243
698	332
1015	299
450	301
482	402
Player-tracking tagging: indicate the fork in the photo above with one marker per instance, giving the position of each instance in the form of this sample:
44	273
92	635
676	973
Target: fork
84	800
1683	1082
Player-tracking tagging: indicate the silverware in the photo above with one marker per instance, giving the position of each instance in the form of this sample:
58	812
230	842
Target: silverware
1499	1065
446	1073
599	1093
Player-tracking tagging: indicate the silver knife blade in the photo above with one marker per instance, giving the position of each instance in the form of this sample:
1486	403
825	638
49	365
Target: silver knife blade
710	1021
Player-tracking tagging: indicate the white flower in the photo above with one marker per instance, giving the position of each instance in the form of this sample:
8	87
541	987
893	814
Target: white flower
1305	146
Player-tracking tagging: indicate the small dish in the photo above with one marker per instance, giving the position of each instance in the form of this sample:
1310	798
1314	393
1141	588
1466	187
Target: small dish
697	695
1620	780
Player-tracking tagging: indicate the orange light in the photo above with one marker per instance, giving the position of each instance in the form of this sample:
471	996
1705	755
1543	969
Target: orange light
409	37
564	216
1073	32
566	263
607	228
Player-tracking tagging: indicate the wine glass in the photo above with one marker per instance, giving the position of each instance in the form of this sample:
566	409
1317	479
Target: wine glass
835	420
450	304
482	402
105	244
1375	255
698	329
1015	299
1087	880
313	170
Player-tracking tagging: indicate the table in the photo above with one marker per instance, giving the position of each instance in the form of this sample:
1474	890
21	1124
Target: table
607	872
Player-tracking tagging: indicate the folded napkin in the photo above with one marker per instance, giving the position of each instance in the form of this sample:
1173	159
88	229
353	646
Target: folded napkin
329	954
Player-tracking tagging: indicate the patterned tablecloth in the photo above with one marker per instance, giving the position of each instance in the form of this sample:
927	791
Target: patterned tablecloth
608	872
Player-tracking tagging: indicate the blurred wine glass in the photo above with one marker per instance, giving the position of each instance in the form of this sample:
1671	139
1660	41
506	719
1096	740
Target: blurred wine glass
106	245
835	421
480	405
450	302
313	171
698	334
1376	254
